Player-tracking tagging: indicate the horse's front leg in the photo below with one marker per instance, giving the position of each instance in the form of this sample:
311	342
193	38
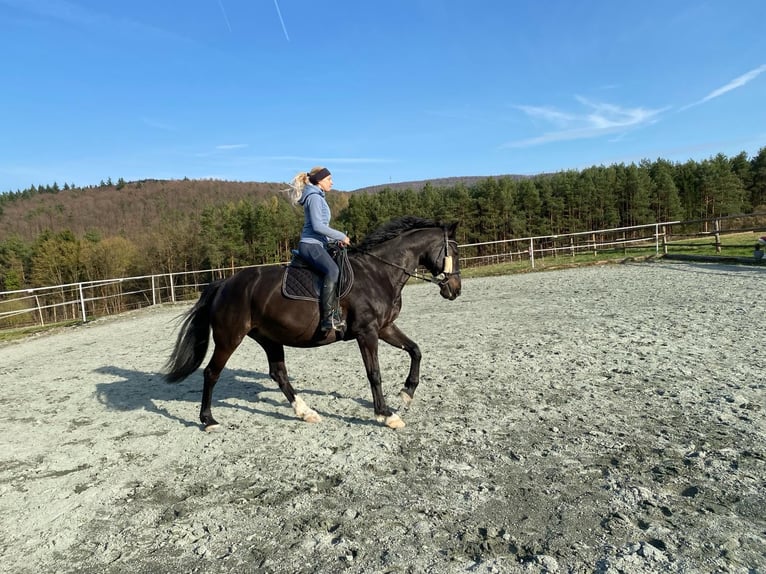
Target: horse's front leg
394	337
368	345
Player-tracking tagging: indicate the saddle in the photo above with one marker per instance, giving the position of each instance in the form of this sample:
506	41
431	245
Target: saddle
299	281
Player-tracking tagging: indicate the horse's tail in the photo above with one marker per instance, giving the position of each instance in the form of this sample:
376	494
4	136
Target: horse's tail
193	338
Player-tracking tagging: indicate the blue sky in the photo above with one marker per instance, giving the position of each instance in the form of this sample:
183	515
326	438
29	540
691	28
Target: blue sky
379	92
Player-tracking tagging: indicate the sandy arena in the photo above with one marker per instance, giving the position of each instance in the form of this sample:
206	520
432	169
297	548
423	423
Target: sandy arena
604	419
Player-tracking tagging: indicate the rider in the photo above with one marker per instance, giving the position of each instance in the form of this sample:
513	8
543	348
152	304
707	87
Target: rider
315	235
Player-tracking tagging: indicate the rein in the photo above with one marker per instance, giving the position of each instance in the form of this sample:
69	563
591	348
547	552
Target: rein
439	279
401	268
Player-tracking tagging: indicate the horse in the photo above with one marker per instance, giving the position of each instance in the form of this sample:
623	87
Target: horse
252	303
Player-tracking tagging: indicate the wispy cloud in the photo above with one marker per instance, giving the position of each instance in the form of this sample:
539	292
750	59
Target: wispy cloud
159	125
470	115
225	147
596	120
327	160
550	115
221	151
75	15
59	10
225	17
738	82
281	20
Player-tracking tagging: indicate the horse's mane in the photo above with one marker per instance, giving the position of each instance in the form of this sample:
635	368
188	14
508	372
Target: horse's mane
395	228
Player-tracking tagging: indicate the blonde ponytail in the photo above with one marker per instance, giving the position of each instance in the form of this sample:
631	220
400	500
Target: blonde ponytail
296	186
299	182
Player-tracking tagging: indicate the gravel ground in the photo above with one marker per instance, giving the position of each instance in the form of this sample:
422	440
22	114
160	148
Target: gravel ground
604	419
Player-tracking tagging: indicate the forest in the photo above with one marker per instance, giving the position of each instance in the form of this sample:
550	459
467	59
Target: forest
57	235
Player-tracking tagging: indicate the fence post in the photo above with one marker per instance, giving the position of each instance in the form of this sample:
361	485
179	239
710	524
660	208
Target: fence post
82	303
154	292
40	311
717	227
172	289
657	238
532	252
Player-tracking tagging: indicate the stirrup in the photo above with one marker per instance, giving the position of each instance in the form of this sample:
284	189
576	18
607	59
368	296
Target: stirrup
337	321
332	323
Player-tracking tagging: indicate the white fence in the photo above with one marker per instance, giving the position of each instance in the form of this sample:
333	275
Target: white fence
80	302
661	238
594	242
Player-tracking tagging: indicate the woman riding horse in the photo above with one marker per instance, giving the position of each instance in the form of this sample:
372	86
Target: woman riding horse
251	303
313	244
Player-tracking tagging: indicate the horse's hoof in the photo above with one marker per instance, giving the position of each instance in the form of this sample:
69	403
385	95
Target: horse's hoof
312	417
393	421
215	427
406	399
303	411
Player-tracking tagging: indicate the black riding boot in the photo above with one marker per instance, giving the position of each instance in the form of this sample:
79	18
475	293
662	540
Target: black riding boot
328	301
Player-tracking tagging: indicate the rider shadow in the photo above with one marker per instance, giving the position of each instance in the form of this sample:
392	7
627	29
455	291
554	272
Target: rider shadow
143	391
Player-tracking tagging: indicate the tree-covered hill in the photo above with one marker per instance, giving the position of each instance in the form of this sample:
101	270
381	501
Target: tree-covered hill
52	235
125	209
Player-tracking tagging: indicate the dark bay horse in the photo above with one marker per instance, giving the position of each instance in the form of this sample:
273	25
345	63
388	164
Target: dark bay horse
250	303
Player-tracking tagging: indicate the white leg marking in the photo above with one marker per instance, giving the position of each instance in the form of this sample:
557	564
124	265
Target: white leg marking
393	422
303	411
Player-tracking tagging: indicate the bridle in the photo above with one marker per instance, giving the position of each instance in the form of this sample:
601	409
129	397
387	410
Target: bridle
447	264
441	278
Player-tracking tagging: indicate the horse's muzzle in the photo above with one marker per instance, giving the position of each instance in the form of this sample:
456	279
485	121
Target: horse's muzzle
450	286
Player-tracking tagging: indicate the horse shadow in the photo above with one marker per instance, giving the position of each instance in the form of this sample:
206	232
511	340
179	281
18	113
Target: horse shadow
132	390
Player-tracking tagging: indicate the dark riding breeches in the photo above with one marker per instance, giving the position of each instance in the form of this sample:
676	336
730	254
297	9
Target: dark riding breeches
318	258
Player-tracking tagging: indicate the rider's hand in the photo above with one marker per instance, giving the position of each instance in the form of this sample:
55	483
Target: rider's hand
345	241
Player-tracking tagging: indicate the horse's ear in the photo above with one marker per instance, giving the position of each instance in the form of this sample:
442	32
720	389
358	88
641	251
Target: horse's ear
451	228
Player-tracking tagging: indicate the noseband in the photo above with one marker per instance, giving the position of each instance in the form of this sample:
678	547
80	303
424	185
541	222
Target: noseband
447	266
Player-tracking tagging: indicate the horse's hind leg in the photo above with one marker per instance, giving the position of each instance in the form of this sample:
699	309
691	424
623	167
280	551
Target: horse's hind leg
227	336
211	374
275	353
